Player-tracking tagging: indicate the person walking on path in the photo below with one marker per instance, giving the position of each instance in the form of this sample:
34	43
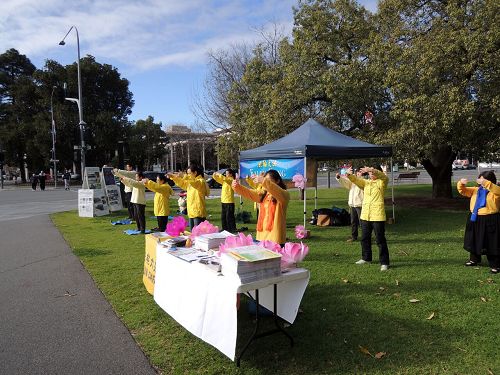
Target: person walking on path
227	199
197	189
163	191
482	230
355	201
273	199
67	179
129	172
372	214
34	181
138	197
41	177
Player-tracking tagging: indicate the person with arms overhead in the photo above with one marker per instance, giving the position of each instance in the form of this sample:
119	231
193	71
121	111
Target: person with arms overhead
137	199
372	214
355	201
227	199
163	191
273	199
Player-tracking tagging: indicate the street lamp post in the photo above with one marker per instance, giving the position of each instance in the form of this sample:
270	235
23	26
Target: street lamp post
53	137
79	100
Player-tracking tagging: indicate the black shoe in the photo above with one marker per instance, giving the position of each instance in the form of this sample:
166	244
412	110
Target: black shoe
494	271
470	263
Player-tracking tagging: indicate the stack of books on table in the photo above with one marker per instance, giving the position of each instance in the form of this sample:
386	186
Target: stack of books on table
251	263
175	242
211	241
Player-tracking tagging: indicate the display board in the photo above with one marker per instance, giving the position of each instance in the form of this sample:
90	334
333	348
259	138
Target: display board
92	178
92	202
112	189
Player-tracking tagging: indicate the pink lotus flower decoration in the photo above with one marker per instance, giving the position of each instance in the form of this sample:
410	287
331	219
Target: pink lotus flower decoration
235	241
299	181
176	226
205	227
300	232
291	254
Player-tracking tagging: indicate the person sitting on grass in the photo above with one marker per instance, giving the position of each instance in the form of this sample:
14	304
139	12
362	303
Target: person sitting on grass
138	197
163	191
482	230
227	199
372	214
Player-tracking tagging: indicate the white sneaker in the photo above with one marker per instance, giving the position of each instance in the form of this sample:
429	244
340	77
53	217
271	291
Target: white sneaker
384	267
362	261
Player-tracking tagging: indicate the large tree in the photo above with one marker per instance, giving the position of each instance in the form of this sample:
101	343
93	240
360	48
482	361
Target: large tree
440	62
146	142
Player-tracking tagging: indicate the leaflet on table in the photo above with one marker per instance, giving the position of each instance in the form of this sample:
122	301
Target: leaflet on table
189	254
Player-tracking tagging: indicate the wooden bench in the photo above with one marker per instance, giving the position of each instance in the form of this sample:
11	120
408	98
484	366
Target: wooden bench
407	176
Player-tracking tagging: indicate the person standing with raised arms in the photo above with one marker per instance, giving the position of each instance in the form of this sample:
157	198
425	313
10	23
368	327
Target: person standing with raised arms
273	199
372	214
197	189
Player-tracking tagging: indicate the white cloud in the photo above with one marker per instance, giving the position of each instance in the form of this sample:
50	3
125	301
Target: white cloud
138	35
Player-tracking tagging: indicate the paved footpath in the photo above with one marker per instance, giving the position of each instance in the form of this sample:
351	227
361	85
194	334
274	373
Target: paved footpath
53	318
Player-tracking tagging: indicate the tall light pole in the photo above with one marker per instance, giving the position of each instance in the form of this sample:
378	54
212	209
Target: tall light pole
53	137
79	100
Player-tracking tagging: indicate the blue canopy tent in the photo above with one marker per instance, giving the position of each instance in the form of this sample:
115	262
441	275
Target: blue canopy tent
315	141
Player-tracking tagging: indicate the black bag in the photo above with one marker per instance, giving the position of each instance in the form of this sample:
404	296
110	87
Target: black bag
340	217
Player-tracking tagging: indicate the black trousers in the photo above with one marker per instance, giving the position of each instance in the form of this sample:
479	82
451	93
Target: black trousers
140	216
366	241
493	260
162	222
228	220
195	221
355	215
130	206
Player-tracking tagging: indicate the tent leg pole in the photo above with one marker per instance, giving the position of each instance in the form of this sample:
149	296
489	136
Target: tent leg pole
392	194
305	192
316	197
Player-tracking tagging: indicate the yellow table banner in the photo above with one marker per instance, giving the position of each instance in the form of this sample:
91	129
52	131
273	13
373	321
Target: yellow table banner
148	277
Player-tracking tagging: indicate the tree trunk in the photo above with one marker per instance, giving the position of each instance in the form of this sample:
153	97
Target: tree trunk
301	194
439	168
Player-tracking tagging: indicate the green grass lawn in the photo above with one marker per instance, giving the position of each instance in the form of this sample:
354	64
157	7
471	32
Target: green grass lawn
346	307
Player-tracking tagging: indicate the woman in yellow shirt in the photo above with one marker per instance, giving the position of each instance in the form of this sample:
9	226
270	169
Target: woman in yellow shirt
163	191
197	189
482	231
372	214
227	199
273	199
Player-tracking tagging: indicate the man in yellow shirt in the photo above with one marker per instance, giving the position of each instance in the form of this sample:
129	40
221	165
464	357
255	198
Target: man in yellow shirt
372	214
227	199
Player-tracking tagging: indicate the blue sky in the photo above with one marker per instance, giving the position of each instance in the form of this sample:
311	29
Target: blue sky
160	46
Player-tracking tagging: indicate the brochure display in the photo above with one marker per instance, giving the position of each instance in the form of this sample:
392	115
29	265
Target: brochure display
92	202
92	178
111	188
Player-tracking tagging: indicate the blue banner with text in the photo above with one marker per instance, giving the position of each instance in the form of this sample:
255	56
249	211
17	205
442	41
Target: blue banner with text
287	168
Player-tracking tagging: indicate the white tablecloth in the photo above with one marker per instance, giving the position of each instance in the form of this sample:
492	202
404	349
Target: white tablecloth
204	302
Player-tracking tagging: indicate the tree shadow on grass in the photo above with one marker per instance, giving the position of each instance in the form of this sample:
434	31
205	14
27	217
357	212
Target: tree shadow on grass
335	324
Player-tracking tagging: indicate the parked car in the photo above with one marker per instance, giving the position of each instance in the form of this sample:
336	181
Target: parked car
460	164
210	180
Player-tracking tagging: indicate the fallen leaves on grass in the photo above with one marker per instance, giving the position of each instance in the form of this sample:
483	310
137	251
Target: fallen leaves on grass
397	282
345	281
414	300
363	350
490	372
397	295
433	314
380	355
484	299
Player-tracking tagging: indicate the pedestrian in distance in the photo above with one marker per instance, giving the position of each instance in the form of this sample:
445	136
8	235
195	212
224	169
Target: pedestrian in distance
67	179
197	190
34	181
41	178
355	201
273	199
227	199
161	208
482	229
372	214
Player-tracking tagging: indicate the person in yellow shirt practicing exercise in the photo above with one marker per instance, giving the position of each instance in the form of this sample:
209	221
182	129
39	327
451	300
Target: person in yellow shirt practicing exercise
372	214
163	191
138	198
197	189
273	199
227	199
482	231
355	202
